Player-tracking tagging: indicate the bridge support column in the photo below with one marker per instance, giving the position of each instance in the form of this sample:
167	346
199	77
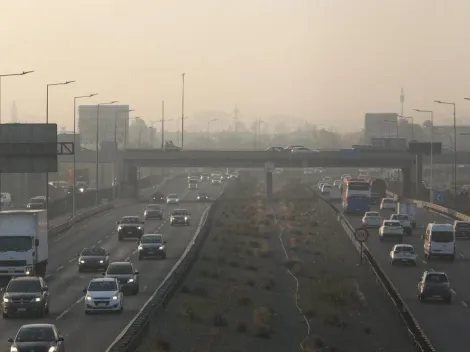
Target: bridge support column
132	179
407	186
418	184
269	183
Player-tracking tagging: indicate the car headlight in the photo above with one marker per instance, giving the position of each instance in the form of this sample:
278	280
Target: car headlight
139	227
28	271
38	299
139	248
13	349
119	228
115	298
101	261
82	261
82	189
185	218
5	299
161	248
88	298
131	280
52	349
145	212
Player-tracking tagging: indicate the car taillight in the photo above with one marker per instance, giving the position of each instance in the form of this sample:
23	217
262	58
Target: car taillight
448	284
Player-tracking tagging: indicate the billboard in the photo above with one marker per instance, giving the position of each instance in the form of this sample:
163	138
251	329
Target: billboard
379	125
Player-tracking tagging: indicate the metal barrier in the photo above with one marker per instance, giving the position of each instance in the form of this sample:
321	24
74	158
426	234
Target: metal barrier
131	337
421	341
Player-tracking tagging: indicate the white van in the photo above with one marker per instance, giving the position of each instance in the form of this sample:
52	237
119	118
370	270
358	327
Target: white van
439	240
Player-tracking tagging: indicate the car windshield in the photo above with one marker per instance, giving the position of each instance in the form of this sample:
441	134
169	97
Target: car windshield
102	286
35	333
172	196
37	200
404	249
153	207
120	269
391	224
437	278
24	286
389	201
372	215
151	239
93	252
442	236
130	220
202	194
15	243
400	217
179	212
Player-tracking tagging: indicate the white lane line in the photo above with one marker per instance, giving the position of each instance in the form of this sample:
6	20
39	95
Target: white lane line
59	268
100	241
72	260
453	292
144	288
464	304
47	276
359	293
61	315
424	262
461	255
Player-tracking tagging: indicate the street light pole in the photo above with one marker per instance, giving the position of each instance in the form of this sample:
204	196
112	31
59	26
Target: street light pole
431	184
455	145
412	125
208	126
163	122
182	113
115	148
98	146
75	148
9	75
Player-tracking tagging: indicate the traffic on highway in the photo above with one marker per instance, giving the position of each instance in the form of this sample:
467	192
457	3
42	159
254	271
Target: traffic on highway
92	269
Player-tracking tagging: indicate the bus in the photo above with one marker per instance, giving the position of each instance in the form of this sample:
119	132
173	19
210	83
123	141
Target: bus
355	187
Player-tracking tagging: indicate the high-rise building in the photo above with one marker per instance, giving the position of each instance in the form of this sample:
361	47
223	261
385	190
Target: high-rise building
113	124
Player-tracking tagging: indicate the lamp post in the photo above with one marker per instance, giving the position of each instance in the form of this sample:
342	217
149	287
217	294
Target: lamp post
412	125
75	148
116	116
455	144
431	184
259	134
98	146
47	121
182	112
9	75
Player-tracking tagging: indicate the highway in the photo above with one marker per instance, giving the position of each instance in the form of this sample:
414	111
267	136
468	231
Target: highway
96	332
446	326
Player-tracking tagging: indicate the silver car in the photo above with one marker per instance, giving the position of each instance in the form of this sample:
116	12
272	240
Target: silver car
103	295
126	275
172	199
152	245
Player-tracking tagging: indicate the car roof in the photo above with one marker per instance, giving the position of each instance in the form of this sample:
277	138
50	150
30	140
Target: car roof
25	278
394	221
103	279
430	271
154	205
172	195
120	264
441	227
372	212
41	325
403	245
179	210
131	217
153	235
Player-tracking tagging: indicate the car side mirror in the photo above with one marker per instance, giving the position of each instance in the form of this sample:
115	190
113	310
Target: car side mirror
60	339
10	339
103	274
84	290
136	272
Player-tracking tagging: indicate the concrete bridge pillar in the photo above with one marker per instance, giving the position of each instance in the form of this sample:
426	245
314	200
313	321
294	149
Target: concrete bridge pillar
269	183
418	167
132	178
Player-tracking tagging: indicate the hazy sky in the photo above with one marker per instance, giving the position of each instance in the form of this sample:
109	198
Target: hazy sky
327	61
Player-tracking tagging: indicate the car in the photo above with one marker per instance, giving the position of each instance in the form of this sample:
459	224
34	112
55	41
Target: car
325	189
275	149
37	203
103	295
37	337
130	227
180	217
300	150
5	199
309	171
388	203
25	295
205	177
216	180
94	258
158	198
153	211
234	175
462	229
278	171
403	253
320	184
290	147
193	184
434	284
327	179
405	222
172	199
372	219
170	147
126	275
391	229
152	245
337	183
203	197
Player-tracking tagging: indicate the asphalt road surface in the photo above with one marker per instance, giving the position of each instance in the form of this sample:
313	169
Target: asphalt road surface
445	325
96	332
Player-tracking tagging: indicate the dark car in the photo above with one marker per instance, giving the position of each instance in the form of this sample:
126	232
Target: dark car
152	245
180	217
26	294
126	275
94	258
203	197
37	338
153	211
37	203
130	227
434	285
158	198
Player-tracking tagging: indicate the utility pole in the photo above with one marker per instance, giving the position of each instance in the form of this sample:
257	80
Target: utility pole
163	122
182	114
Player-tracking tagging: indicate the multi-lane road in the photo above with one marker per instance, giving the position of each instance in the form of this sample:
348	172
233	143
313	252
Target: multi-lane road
96	332
445	325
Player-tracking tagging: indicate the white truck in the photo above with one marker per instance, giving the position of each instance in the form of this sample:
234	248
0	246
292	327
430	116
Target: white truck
408	208
24	247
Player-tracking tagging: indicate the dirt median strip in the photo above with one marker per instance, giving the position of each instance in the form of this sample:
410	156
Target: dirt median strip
276	277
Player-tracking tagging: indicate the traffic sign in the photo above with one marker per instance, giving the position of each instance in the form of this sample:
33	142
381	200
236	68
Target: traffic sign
361	234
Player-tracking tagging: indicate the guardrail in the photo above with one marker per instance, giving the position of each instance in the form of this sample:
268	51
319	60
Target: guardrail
434	207
421	341
131	337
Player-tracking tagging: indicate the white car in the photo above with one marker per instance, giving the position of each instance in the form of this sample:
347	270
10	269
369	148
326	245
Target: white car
300	150
372	219
103	295
216	180
391	229
5	199
405	222
320	185
325	189
172	199
327	179
388	203
403	253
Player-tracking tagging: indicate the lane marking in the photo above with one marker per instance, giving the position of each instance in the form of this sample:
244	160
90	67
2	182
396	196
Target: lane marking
59	268
453	292
359	293
61	315
72	260
464	304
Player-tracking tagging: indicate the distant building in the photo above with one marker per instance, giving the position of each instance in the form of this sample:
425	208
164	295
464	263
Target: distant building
113	124
379	125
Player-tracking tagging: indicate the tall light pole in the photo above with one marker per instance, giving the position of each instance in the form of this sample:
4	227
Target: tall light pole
182	113
47	121
9	75
431	184
455	144
116	116
98	146
259	134
75	147
412	125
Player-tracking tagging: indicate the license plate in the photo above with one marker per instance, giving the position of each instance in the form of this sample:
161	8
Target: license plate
21	309
129	233
102	304
11	270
